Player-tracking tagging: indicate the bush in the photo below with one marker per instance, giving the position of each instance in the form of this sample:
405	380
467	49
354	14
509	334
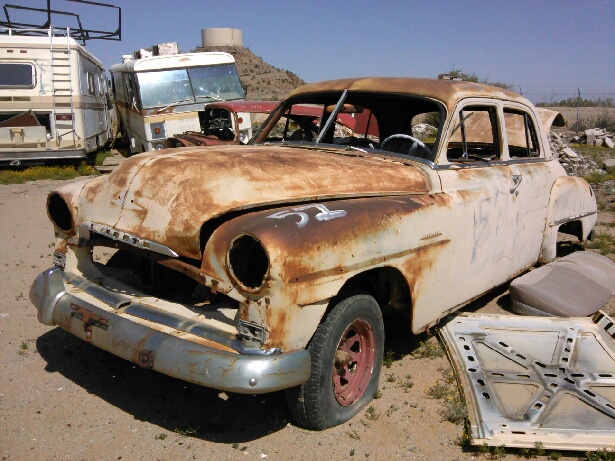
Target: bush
36	173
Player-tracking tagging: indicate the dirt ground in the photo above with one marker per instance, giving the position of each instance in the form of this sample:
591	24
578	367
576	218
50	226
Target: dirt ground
62	399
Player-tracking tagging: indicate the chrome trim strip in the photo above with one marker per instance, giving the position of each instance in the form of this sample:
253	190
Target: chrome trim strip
572	218
479	164
128	239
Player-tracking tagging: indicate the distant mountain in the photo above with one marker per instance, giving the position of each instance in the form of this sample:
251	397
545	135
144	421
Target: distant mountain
264	81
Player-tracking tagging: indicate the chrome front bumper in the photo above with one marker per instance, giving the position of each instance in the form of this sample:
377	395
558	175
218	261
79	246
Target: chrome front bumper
114	329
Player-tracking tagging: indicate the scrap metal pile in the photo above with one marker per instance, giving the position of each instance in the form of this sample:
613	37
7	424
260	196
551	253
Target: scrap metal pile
574	163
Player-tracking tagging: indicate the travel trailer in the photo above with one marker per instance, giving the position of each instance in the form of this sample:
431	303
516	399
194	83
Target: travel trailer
159	96
53	98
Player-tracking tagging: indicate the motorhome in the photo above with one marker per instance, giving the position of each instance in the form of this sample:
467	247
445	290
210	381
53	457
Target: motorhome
53	98
159	96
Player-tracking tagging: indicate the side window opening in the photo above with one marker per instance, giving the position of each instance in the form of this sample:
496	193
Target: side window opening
521	134
118	88
91	83
475	137
17	75
131	91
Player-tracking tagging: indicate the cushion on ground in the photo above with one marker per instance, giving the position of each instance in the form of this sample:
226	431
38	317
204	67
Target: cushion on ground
599	268
576	285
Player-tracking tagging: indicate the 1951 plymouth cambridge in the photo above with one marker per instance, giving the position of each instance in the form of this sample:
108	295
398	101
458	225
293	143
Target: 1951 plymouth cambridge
267	266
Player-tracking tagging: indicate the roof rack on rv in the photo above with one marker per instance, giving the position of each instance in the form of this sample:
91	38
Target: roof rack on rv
15	27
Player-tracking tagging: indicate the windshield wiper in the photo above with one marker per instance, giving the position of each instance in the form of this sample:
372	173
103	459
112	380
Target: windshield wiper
174	103
211	96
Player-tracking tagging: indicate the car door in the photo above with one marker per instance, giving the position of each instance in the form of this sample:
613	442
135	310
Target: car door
533	178
476	175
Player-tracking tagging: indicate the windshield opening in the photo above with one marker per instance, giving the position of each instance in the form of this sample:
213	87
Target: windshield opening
189	86
400	124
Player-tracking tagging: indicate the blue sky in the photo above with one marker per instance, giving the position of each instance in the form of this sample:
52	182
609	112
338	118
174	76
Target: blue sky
531	44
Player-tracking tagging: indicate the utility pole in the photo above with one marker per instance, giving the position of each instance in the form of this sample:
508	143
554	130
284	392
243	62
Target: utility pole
578	105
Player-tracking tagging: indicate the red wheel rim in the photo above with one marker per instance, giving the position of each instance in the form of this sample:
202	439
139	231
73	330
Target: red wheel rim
353	362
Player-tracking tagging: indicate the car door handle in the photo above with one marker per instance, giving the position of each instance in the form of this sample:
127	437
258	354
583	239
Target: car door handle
516	179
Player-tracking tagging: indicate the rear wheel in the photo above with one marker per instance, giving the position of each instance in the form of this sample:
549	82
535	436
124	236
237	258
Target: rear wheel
346	351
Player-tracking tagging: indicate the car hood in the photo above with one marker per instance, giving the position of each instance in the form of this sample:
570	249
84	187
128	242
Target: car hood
167	196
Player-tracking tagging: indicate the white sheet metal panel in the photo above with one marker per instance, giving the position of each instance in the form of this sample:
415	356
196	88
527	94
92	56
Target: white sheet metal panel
536	379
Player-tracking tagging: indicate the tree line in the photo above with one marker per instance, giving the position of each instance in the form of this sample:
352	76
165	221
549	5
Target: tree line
579	102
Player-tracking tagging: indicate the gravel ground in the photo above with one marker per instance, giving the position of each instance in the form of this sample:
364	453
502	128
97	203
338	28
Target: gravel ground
62	399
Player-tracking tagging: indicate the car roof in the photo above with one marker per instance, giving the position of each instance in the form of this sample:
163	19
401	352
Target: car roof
448	92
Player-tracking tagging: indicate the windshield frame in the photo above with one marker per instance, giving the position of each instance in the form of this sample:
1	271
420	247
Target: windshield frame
340	98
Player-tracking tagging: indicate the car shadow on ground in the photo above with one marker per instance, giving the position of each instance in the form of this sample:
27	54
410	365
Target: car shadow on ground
167	402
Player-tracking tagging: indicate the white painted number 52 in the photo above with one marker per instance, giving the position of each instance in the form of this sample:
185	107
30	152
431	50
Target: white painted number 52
324	214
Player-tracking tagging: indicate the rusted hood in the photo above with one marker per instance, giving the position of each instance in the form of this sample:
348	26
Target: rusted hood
166	197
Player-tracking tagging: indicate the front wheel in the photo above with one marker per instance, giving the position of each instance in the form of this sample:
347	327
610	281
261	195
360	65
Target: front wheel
346	351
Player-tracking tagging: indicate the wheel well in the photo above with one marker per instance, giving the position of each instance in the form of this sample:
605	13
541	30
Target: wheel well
566	243
574	228
386	284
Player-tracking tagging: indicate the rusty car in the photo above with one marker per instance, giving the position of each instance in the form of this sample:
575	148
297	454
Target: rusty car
268	266
234	122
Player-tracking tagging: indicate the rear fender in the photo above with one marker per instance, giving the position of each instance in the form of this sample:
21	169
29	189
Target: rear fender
572	199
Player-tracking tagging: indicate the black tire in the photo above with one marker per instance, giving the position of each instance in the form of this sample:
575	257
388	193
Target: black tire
337	390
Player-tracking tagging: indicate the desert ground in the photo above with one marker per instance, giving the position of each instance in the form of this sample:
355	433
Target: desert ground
63	399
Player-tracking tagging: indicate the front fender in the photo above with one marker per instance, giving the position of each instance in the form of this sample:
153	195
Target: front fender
571	199
314	249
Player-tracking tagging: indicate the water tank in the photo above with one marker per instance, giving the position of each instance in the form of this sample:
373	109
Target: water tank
222	36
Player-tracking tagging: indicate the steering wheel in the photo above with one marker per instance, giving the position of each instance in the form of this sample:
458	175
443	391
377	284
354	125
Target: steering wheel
221	127
414	146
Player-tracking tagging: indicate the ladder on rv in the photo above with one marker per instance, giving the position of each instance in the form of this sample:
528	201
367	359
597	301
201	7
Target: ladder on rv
62	90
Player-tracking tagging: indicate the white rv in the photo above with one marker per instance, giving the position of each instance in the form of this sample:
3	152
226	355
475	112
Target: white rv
53	98
159	96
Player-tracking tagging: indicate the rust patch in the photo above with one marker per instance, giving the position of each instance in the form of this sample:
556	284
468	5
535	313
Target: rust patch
207	343
187	269
278	327
169	200
243	312
62	247
567	181
136	350
146	359
90	320
374	262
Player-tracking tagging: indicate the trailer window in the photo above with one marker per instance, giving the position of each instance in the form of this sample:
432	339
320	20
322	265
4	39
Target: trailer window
13	75
91	83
